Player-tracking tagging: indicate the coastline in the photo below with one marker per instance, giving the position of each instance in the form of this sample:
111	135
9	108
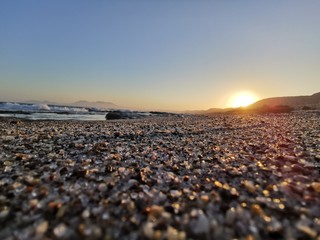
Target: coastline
198	177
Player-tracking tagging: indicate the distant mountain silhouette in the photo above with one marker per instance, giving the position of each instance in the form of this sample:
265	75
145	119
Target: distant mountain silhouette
81	103
296	102
97	104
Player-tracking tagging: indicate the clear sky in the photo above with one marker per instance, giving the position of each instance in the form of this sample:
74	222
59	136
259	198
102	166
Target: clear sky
170	55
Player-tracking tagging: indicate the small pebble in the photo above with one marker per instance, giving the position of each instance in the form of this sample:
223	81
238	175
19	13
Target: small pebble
249	186
316	186
41	228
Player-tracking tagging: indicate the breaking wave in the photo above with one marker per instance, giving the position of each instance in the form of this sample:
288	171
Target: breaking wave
25	107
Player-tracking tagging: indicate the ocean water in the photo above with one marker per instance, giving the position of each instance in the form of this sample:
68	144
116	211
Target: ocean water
55	116
50	112
27	107
54	112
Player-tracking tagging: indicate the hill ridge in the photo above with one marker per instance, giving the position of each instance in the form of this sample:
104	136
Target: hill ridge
296	102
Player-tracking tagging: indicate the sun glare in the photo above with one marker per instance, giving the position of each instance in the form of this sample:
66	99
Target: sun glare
242	99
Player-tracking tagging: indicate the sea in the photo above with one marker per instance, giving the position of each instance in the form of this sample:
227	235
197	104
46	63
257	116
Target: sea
50	112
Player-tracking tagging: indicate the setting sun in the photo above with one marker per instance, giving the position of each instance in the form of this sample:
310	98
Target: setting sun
242	99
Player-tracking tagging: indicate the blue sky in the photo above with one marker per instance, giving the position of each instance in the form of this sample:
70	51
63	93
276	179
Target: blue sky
170	55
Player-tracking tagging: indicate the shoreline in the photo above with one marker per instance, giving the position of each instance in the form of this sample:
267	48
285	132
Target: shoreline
198	177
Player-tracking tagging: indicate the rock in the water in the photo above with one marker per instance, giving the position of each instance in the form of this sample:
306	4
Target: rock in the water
122	115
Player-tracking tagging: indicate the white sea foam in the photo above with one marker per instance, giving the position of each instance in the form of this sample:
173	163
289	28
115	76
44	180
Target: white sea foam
24	107
43	107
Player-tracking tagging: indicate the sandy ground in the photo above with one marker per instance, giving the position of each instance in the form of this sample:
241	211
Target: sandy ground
198	177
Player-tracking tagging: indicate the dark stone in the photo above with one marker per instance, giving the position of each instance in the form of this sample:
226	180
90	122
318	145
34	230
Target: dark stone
113	115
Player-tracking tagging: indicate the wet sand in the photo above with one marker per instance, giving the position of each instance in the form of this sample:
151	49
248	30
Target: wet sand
198	177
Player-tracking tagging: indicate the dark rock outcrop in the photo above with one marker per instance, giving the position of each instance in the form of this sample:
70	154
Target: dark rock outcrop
113	115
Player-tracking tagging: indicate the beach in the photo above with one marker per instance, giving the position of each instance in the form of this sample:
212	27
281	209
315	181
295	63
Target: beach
223	176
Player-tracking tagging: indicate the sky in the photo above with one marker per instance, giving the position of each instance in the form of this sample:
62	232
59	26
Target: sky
162	55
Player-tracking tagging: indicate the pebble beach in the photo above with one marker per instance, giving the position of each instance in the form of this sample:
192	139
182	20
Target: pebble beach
225	176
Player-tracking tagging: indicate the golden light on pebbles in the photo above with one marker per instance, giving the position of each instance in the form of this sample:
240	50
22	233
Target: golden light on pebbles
249	186
204	198
218	184
272	187
307	230
155	211
260	165
256	209
192	197
281	206
140	224
316	186
266	193
176	207
276	200
174	234
267	219
226	186
249	237
234	192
